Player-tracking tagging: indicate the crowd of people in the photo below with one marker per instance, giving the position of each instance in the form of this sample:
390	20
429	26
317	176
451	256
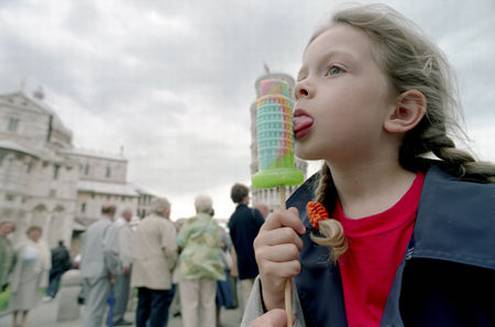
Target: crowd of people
192	262
191	267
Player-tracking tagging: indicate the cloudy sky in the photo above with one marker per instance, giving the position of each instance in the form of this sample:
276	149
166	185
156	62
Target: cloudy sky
172	81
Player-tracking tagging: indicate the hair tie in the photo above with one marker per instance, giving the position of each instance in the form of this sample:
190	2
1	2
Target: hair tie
316	212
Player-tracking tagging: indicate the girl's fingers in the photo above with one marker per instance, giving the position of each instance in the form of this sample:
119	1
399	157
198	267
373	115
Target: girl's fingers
273	318
277	249
280	236
279	253
284	218
287	269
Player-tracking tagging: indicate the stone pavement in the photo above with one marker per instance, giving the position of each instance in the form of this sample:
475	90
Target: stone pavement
44	315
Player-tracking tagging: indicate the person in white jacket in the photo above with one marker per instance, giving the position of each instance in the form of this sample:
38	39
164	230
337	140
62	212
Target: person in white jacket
118	255
96	276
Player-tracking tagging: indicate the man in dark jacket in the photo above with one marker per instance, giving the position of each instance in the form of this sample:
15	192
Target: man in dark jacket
244	225
60	263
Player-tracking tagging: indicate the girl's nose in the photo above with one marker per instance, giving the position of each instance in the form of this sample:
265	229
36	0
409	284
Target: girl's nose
303	90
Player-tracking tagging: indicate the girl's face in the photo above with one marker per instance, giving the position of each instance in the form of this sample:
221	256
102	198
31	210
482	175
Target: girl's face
342	98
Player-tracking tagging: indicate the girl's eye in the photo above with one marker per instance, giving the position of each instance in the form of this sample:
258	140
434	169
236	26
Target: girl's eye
334	71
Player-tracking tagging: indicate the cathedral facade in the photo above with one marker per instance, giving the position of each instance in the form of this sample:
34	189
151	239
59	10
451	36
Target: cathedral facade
38	183
46	181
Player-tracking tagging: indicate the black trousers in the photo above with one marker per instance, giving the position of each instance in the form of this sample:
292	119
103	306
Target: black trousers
153	306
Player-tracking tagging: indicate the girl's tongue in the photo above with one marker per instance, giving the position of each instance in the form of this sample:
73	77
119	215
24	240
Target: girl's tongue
302	122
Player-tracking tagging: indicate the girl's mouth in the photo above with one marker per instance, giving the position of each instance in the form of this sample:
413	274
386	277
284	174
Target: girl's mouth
302	123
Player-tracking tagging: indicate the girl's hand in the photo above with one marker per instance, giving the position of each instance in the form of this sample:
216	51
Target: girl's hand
273	318
277	248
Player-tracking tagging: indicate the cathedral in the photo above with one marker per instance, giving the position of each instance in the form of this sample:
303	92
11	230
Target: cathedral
46	181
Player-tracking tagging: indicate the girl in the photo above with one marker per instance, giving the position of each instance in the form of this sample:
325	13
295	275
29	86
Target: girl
410	241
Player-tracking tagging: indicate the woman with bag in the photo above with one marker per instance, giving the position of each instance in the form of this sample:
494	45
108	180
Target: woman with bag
200	265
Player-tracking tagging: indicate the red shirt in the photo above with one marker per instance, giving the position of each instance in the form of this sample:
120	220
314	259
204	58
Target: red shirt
377	245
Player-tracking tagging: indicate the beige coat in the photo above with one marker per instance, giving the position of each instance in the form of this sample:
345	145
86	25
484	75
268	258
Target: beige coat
155	253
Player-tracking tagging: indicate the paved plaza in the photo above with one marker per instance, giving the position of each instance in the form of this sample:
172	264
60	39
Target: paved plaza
44	315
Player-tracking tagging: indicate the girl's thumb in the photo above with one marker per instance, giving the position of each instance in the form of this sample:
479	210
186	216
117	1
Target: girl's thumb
273	318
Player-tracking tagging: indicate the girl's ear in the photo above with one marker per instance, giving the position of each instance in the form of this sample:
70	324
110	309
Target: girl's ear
409	109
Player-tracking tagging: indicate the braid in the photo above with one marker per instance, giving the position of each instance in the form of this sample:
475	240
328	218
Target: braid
331	230
430	136
459	162
444	148
325	179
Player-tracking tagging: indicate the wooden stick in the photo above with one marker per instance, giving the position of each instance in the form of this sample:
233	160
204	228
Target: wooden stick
281	192
288	283
288	302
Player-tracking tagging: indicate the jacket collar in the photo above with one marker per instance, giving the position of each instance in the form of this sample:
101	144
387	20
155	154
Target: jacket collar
455	220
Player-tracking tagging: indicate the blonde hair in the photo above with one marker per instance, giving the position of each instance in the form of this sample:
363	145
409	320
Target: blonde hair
331	230
409	61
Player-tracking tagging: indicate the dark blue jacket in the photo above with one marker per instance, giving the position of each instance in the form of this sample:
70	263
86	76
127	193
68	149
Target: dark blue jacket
447	277
244	225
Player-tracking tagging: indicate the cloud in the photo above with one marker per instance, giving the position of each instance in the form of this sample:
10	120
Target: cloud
173	82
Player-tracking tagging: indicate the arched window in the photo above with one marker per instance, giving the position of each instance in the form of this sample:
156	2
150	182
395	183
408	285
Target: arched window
39	217
13	124
56	230
56	170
